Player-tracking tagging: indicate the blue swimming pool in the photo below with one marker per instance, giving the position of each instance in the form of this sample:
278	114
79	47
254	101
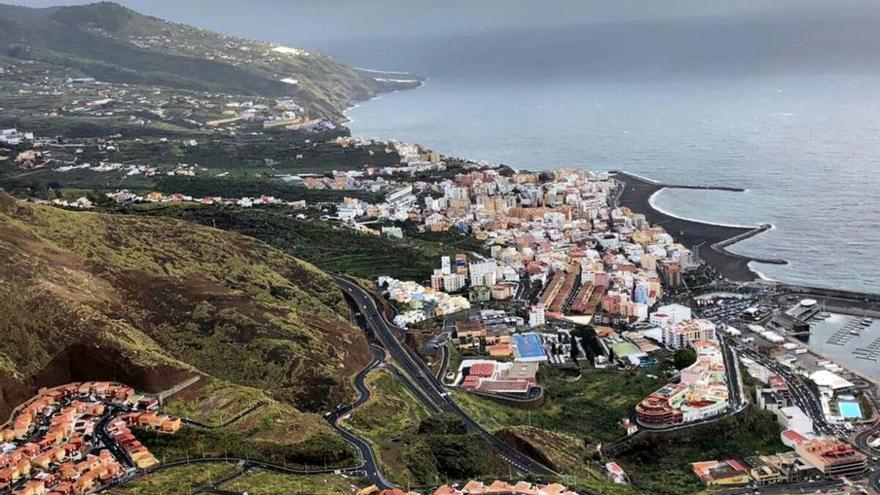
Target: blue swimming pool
528	347
849	410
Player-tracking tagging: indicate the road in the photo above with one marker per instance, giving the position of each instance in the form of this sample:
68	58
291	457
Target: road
734	386
861	439
369	466
444	362
421	377
204	426
801	394
109	443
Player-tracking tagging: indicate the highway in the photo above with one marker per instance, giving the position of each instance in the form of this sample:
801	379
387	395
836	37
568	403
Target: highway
862	438
734	379
801	394
423	379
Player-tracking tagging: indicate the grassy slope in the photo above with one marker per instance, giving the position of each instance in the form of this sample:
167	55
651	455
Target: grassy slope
332	248
274	431
663	466
175	481
588	408
266	483
162	299
390	413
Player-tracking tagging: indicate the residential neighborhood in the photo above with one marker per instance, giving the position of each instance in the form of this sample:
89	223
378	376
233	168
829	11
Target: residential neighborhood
77	438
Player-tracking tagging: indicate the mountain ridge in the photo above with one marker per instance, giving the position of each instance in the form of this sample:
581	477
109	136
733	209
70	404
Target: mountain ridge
115	44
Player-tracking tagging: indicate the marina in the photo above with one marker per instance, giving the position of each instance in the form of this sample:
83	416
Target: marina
852	341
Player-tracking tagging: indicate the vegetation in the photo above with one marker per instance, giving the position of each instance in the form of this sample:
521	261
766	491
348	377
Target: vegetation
321	449
269	483
175	481
151	301
98	40
589	408
199	187
391	413
589	341
444	450
684	358
587	411
662	464
330	247
246	423
214	403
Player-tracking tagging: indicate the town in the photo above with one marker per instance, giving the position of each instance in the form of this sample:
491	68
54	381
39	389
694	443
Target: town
77	438
413	322
561	256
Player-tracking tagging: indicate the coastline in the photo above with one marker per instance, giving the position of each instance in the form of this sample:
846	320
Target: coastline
709	241
356	103
652	201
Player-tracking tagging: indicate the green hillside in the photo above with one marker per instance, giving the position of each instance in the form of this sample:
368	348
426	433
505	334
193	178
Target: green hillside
150	301
115	44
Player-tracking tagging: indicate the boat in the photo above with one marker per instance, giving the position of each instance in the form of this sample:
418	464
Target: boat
825	314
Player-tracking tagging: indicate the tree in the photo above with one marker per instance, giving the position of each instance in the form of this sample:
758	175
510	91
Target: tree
684	358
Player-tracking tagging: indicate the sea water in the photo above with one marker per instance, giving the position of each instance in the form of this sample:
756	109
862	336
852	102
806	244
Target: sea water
806	148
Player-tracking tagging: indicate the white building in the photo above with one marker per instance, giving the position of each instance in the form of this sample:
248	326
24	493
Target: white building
393	232
793	418
483	273
671	314
681	335
401	197
453	282
446	265
830	381
536	316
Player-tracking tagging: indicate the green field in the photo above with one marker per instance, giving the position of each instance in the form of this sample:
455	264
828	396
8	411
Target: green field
271	431
175	481
589	407
385	420
663	466
331	247
267	483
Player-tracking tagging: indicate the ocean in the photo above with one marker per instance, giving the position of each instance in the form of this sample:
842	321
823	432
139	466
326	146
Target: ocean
804	142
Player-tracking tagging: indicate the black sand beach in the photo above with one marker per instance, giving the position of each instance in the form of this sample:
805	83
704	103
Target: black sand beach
707	240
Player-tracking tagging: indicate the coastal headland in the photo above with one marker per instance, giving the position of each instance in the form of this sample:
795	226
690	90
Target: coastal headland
709	241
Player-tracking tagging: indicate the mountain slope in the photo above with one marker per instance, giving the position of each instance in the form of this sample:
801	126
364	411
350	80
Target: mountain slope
115	44
150	301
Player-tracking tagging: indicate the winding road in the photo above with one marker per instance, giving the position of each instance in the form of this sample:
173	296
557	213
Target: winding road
369	467
432	391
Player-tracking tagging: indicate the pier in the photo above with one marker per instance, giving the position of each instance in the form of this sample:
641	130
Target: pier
722	246
636	195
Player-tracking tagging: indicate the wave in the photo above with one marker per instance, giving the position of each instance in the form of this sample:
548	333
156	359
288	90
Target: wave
375	71
759	273
642	177
653	202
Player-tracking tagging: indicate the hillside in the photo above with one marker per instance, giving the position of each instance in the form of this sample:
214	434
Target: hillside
114	44
150	301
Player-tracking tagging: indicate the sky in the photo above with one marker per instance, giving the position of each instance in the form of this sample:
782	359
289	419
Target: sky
317	23
611	38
